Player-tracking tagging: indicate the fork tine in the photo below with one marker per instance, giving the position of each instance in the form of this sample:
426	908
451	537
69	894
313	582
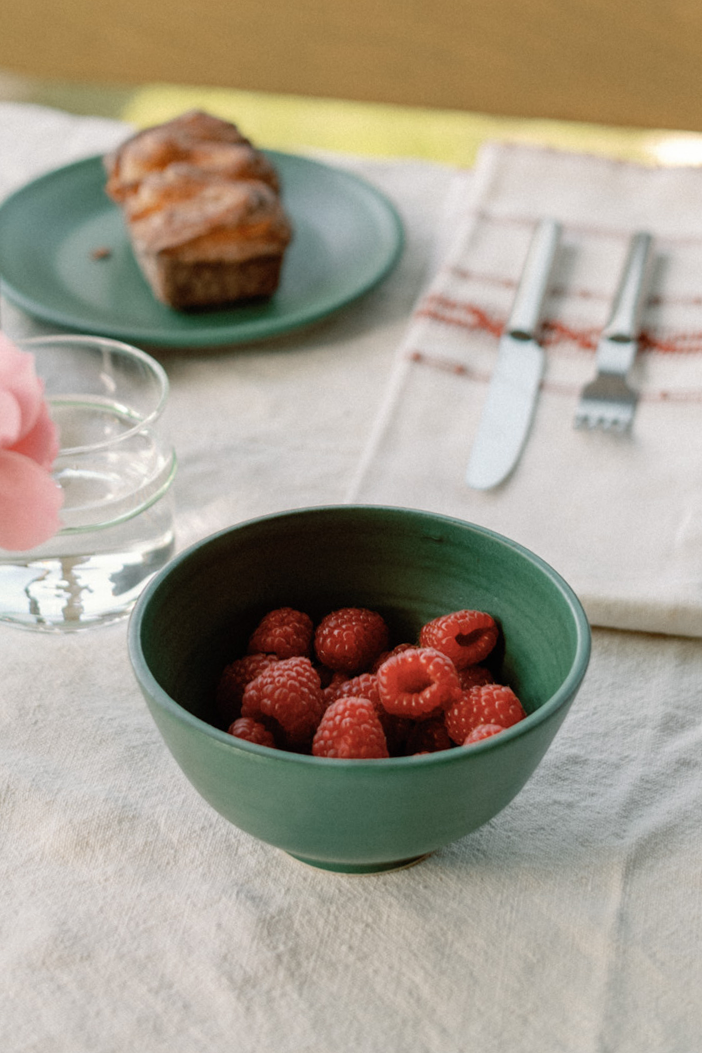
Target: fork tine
608	402
607	420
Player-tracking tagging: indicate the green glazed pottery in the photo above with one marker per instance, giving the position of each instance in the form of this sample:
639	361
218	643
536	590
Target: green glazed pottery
355	816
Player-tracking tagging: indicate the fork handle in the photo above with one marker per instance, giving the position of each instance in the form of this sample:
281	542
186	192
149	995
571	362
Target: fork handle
623	324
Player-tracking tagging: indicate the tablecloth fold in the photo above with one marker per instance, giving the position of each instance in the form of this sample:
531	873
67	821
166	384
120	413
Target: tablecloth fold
619	517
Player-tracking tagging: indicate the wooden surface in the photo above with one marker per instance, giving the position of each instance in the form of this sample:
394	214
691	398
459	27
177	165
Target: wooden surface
632	63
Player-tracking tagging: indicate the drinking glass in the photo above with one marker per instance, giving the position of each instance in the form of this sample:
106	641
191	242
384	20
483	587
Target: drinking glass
115	469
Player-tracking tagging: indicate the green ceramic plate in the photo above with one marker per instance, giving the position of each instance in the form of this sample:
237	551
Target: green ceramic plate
347	238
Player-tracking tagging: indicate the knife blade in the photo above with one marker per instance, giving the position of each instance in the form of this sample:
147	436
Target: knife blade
514	385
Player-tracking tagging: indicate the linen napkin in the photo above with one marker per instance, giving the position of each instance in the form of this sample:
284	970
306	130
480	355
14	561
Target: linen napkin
620	517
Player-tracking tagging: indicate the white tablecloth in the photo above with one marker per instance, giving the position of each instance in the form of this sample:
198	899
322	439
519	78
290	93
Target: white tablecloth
132	917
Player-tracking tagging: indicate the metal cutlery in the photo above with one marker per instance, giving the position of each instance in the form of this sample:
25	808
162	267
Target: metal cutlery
608	402
514	385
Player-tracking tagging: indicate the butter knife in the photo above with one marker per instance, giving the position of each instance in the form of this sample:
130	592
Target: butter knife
514	385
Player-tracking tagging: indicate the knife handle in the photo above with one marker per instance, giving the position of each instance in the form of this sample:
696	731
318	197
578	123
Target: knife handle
623	324
528	302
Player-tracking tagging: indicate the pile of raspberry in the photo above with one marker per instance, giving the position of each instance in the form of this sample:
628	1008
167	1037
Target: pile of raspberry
338	690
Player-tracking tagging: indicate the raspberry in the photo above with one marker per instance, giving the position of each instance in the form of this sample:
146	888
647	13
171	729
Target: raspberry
475	676
396	731
365	685
284	632
488	704
350	639
350	729
287	698
417	683
325	675
234	678
466	637
430	736
483	731
333	689
395	728
246	728
389	654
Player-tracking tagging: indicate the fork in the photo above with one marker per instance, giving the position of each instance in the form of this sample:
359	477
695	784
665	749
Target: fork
608	402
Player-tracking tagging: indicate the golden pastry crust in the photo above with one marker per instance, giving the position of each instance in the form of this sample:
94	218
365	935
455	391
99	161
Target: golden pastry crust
183	183
196	138
235	220
203	212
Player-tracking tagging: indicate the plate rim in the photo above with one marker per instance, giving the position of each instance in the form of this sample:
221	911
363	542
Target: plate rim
251	331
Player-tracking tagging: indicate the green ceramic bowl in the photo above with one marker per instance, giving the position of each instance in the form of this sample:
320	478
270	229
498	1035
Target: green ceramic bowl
354	816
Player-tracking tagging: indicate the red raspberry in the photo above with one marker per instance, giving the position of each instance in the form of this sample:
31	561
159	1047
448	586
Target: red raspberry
333	689
246	728
488	704
350	729
234	678
365	685
287	697
417	683
483	731
389	654
466	637
430	736
350	639
284	632
325	675
396	728
475	676
396	731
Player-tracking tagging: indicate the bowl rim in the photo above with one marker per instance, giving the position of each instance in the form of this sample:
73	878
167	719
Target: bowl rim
566	691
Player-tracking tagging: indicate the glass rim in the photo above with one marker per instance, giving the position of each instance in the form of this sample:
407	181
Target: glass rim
128	351
164	481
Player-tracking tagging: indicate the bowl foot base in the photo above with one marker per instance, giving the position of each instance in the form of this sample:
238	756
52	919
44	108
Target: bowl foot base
361	868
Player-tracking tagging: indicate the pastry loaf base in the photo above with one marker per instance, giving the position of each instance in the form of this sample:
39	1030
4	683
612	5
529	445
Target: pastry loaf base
194	284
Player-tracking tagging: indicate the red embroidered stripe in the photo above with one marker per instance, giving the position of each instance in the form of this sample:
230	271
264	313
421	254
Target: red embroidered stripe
497	281
555	334
449	365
